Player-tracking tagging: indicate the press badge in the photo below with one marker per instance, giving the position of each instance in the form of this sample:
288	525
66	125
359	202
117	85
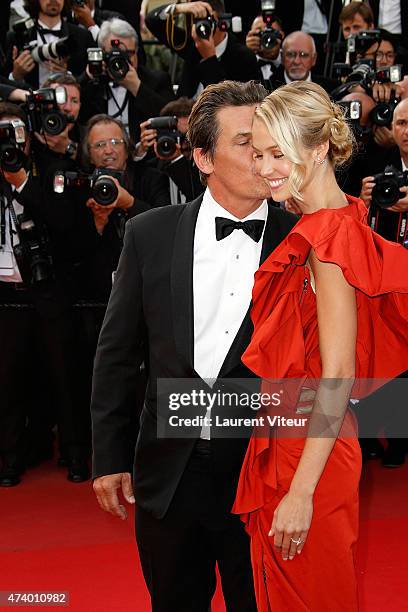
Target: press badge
6	263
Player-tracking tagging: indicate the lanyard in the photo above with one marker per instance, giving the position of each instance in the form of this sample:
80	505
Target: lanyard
120	108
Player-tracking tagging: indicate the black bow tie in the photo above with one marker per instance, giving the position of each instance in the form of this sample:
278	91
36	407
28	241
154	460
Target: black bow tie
263	62
57	33
224	227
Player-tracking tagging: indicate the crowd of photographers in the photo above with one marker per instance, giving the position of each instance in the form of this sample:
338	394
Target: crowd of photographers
91	134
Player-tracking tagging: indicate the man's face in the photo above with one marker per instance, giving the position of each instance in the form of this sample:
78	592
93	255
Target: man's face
400	126
126	44
258	26
383	54
354	25
298	57
73	104
106	147
233	168
51	8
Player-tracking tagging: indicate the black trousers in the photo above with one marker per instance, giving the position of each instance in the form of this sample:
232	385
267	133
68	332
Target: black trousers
179	552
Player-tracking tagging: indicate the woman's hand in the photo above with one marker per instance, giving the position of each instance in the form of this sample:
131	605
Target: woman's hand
291	521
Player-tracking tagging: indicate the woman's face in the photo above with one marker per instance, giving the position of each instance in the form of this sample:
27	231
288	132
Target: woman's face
270	162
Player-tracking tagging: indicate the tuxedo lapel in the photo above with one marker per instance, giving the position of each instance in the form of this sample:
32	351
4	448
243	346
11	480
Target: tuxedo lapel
181	280
272	237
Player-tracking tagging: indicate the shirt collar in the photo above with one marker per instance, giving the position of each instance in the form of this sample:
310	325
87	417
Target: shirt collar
404	167
57	26
213	209
220	48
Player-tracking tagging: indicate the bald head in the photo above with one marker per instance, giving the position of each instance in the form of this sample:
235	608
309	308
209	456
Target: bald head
367	104
400	127
298	55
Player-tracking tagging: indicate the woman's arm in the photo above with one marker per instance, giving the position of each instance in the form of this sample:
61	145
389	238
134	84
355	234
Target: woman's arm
337	323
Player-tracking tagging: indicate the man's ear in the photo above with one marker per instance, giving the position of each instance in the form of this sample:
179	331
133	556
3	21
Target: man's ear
202	161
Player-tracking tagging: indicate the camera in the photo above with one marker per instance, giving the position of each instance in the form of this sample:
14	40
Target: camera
270	36
383	112
80	3
99	184
117	60
360	43
386	191
205	26
43	113
168	136
20	29
352	113
33	259
95	61
12	141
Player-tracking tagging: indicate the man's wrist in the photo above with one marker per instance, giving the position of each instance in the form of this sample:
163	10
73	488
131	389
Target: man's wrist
71	149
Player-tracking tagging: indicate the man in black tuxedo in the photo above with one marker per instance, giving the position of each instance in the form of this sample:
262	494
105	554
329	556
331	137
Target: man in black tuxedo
269	59
50	26
90	16
180	303
220	57
140	94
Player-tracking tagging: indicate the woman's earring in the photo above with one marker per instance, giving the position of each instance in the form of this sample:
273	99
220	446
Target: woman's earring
320	161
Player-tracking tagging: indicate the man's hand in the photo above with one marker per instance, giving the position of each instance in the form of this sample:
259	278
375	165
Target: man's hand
15	178
196	9
124	200
100	213
383	137
402	204
131	81
148	137
366	190
206	48
23	64
106	487
253	41
84	16
382	92
57	66
57	143
18	95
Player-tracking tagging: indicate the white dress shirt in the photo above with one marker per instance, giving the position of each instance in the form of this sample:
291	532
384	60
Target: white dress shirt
43	72
389	16
289	80
116	100
314	22
9	271
223	278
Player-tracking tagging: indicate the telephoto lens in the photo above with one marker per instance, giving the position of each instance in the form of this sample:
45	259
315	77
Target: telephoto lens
104	191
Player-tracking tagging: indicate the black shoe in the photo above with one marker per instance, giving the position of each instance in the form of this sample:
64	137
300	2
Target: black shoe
393	457
78	470
9	476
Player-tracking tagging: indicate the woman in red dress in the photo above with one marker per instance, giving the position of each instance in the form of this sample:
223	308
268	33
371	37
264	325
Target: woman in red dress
330	311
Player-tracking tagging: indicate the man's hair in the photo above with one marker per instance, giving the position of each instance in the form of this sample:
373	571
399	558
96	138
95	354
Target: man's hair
116	28
102	118
9	109
357	8
217	5
62	78
203	126
33	8
287	40
178	108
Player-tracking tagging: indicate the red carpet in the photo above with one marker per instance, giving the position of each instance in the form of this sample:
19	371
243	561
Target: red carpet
54	537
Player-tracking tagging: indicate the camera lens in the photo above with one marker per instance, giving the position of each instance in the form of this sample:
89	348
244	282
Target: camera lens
382	114
54	122
269	38
118	67
11	159
166	146
104	191
386	193
203	28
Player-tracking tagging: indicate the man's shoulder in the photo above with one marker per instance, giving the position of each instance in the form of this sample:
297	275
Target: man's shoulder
164	218
282	217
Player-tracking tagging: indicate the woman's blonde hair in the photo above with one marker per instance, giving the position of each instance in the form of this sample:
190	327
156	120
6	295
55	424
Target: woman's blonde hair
299	116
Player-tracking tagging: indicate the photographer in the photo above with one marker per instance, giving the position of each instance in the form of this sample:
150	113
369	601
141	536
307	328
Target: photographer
172	151
123	89
266	47
211	59
107	146
354	17
91	17
33	63
40	249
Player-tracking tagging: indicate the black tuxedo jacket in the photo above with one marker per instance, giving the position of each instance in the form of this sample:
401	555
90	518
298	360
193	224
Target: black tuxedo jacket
80	39
150	318
237	63
155	92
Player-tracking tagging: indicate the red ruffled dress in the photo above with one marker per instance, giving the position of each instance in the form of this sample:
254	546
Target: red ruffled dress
285	345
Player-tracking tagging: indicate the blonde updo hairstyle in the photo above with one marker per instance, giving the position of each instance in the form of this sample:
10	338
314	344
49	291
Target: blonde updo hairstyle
301	113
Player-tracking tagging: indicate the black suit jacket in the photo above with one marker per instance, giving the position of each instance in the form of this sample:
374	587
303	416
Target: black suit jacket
155	92
237	63
328	84
80	39
150	317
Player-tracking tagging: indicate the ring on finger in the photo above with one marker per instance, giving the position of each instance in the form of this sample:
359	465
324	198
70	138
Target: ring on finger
297	542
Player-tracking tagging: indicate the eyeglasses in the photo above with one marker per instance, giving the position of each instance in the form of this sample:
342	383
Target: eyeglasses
303	55
101	144
380	55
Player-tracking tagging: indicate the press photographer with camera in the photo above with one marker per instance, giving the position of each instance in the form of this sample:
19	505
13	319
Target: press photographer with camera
115	84
90	16
166	135
265	40
46	43
39	332
210	51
